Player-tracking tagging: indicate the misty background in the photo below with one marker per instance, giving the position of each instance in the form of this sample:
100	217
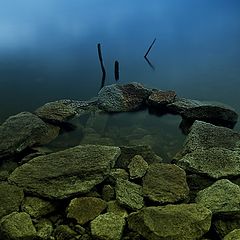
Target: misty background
48	49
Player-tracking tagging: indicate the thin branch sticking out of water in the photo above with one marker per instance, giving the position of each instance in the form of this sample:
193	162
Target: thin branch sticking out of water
145	56
116	70
102	65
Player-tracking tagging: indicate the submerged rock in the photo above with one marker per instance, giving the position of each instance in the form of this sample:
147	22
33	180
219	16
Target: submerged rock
165	183
24	130
17	226
123	98
108	226
85	209
178	222
222	197
11	197
63	174
212	112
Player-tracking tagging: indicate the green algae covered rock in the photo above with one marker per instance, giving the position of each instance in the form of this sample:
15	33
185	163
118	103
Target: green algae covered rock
11	197
108	226
137	167
234	235
165	183
85	209
63	174
129	194
17	226
222	197
63	232
24	130
175	222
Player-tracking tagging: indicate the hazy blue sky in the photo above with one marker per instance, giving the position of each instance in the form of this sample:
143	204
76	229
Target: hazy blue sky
42	42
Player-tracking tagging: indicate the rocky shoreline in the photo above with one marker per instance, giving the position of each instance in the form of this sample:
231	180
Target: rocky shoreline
104	191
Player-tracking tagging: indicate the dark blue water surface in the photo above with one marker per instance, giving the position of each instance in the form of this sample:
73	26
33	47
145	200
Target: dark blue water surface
48	48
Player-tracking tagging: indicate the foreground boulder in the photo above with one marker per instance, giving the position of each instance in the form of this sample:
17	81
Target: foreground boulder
165	183
211	150
212	112
176	222
66	173
24	130
17	226
10	198
223	197
123	98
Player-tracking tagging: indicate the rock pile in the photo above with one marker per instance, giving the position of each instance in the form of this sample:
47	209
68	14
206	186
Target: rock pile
101	191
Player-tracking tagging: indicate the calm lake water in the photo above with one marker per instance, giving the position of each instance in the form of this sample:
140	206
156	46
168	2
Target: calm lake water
48	49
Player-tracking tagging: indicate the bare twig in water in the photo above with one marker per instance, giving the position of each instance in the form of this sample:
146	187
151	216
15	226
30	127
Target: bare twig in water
116	70
102	66
150	48
145	56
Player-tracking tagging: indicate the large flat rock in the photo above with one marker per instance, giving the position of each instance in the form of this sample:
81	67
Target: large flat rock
178	222
63	174
24	130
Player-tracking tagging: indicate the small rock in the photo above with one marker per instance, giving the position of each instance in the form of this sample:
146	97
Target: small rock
165	183
137	167
44	229
118	173
114	207
129	194
108	226
63	232
37	207
11	197
108	193
85	209
17	226
222	197
234	235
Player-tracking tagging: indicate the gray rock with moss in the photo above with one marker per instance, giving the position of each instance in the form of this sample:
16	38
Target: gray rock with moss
108	226
234	235
37	207
66	173
178	222
137	167
24	130
129	194
85	209
16	226
11	198
222	197
128	152
213	112
123	98
165	183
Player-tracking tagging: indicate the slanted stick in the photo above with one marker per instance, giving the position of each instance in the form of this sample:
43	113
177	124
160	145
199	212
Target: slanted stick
102	66
150	48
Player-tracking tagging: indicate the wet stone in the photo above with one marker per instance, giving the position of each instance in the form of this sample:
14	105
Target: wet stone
37	207
165	183
66	173
17	226
44	229
123	98
129	194
108	226
222	197
85	209
171	222
22	131
11	197
137	167
212	112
